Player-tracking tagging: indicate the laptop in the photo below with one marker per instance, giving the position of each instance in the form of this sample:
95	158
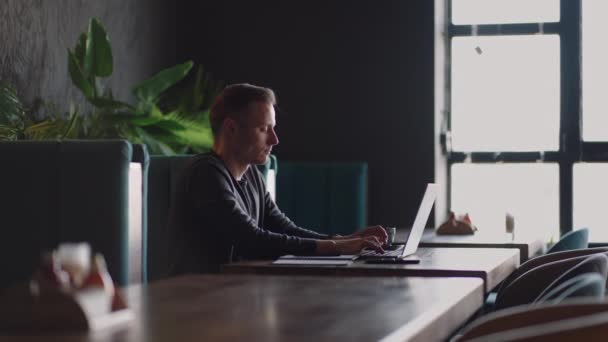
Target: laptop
404	254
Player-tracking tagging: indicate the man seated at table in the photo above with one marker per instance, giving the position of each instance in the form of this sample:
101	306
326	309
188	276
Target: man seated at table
222	210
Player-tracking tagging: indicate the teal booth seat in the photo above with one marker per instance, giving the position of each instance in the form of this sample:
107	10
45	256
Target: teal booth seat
327	197
163	175
64	191
576	239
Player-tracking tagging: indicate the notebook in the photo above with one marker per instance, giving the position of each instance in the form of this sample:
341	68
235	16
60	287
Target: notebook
405	253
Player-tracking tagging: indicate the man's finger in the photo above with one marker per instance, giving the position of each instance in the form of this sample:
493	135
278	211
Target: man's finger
374	244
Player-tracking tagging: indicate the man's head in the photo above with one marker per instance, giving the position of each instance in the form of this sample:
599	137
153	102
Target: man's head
242	120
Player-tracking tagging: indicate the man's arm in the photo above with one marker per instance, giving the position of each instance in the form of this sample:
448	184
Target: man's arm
325	244
278	222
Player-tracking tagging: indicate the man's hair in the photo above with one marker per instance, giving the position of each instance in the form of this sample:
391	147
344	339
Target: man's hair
233	101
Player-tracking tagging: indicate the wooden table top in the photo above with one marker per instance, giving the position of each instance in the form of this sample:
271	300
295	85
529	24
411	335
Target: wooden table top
529	246
490	264
281	308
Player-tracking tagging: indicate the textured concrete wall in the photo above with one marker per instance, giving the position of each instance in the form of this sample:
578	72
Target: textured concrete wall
35	36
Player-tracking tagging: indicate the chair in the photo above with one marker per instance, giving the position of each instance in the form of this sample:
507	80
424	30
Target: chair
576	239
62	191
585	328
590	285
523	321
163	175
547	258
532	284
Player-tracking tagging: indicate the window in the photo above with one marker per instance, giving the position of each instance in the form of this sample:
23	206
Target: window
468	12
528	191
505	93
590	189
595	70
524	124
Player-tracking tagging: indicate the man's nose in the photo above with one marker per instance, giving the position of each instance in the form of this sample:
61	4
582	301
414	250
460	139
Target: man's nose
274	139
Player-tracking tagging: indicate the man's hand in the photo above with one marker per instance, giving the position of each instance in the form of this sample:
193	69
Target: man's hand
376	231
348	246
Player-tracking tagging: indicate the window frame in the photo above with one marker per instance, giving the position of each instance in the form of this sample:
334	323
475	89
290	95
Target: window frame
572	148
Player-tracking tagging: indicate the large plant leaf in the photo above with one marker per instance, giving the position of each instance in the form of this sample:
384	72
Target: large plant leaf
78	77
71	127
198	91
110	104
154	145
176	133
81	48
186	132
171	125
196	138
98	53
194	94
137	119
149	90
144	120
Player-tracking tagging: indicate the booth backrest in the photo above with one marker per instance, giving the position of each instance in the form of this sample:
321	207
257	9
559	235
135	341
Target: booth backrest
68	191
327	197
163	175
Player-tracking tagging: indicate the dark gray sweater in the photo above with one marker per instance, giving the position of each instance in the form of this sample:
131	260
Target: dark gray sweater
219	219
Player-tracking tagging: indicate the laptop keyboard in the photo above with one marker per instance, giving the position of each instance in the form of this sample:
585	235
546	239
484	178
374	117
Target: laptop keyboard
387	253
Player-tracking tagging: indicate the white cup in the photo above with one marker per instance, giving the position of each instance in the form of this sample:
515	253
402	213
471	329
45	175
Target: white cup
75	258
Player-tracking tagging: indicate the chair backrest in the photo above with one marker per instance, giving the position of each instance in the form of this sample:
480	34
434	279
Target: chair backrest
64	191
163	176
547	258
576	239
583	328
590	285
532	284
328	197
523	316
597	264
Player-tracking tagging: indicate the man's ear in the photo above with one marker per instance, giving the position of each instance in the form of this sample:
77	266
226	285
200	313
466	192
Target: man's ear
229	126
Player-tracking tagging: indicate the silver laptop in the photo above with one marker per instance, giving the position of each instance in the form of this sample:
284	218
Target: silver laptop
404	254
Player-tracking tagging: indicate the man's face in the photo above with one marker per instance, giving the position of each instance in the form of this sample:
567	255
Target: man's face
255	135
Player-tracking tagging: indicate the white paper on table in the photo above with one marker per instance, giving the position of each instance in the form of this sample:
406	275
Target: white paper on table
294	261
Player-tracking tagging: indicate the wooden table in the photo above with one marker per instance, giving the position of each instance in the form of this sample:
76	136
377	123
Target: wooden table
490	264
281	308
529	246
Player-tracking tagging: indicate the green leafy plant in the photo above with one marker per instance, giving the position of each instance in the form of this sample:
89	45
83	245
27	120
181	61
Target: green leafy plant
166	127
170	116
12	115
17	124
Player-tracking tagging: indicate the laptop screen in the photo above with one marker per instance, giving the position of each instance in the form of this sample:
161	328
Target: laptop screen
421	217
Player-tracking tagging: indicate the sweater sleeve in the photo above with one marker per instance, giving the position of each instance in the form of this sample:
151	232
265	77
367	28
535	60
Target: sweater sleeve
217	209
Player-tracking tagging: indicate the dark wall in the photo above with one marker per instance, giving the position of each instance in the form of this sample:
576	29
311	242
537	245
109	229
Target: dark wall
35	35
354	81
